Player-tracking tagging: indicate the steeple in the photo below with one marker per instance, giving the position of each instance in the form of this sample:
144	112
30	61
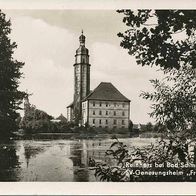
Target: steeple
82	49
82	39
81	77
27	104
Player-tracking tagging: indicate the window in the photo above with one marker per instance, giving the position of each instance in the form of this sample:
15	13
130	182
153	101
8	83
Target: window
123	105
106	113
93	103
100	121
106	121
100	104
123	122
106	104
114	113
122	127
93	121
93	112
100	113
123	113
114	104
114	122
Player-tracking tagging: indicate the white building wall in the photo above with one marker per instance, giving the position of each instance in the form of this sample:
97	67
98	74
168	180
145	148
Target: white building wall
84	112
69	114
107	114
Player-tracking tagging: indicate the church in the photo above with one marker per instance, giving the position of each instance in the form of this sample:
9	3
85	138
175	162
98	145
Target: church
104	107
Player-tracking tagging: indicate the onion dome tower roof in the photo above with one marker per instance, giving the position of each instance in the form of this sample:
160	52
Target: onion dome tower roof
82	49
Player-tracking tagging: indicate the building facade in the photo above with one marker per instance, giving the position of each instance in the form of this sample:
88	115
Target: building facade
104	107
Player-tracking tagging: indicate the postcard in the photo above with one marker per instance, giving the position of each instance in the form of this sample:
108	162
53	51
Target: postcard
97	97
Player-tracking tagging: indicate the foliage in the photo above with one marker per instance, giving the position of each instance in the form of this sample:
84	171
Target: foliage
10	96
128	161
130	125
174	105
147	127
36	121
154	37
166	38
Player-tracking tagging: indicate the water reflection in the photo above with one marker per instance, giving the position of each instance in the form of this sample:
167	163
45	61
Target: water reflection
78	154
31	151
8	162
54	160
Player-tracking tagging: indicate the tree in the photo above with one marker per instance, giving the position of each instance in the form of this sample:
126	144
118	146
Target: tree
10	96
149	127
174	105
154	37
36	120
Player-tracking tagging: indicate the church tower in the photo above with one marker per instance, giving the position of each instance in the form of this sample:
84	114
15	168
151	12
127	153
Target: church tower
27	105
81	78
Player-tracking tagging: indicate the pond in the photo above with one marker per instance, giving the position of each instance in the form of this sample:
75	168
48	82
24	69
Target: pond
55	160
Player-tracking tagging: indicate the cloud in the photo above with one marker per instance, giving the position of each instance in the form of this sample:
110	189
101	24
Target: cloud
48	52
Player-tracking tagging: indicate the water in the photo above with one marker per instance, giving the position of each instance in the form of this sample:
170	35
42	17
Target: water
54	160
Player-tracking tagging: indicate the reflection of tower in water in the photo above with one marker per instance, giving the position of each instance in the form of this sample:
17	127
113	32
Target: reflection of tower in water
81	152
79	158
30	152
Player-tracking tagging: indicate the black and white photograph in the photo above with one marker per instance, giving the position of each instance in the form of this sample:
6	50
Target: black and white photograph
97	95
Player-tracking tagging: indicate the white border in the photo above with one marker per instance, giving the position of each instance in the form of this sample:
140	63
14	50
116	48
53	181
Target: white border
97	4
96	188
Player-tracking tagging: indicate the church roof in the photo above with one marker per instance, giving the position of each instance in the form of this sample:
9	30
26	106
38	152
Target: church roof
70	105
61	118
106	91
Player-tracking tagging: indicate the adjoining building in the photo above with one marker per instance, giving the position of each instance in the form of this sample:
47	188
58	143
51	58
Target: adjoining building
103	107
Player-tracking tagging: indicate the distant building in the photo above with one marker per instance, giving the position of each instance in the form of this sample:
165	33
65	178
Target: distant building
61	118
27	105
104	107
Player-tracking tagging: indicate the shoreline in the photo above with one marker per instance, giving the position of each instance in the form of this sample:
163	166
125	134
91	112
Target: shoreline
70	136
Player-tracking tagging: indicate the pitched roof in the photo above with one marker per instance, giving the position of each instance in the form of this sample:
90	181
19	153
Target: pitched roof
106	91
61	118
70	105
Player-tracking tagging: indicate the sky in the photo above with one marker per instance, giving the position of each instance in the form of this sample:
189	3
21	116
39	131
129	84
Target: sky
47	41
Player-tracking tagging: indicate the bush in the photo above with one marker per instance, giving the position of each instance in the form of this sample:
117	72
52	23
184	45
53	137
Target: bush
136	164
